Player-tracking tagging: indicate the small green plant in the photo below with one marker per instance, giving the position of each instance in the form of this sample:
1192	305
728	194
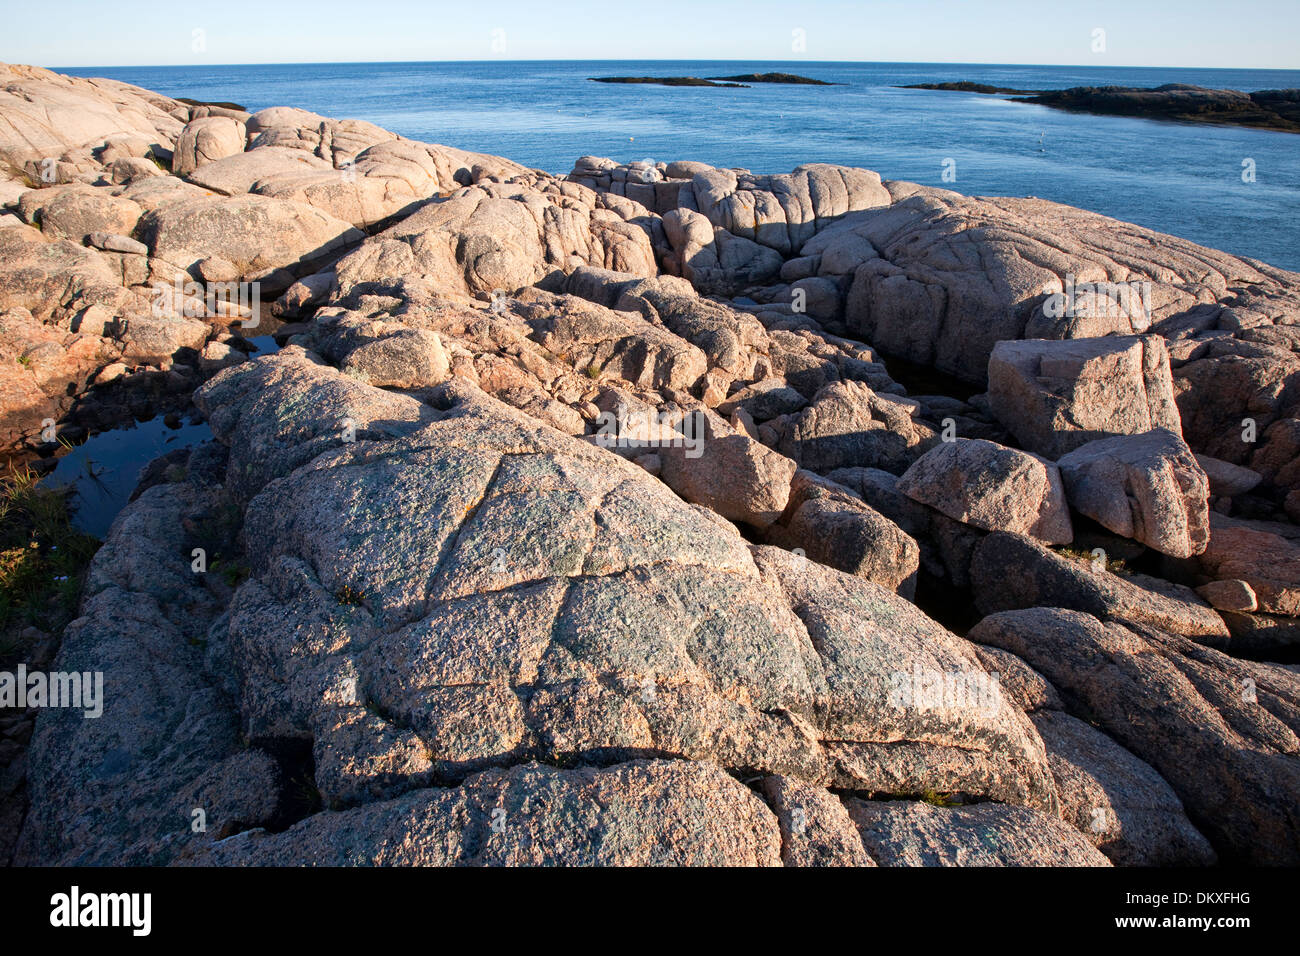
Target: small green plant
43	560
593	370
234	573
159	163
25	360
937	799
18	173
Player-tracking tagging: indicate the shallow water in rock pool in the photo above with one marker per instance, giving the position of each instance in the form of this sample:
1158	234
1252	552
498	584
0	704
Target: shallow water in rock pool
105	468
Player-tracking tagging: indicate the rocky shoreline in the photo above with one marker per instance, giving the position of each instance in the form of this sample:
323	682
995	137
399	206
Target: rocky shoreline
580	520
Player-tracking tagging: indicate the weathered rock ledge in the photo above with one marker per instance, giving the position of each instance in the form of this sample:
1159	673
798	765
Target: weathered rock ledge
580	520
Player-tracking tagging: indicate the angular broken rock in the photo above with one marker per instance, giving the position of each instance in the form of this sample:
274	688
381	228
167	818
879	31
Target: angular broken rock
764	400
1055	396
832	526
384	354
1148	487
729	473
849	425
815	826
1267	562
602	341
989	486
1230	594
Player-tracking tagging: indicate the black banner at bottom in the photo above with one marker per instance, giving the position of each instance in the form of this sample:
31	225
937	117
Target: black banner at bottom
938	906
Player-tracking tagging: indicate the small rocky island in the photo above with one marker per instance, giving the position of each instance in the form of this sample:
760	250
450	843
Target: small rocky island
1264	109
966	86
607	519
792	79
664	81
734	82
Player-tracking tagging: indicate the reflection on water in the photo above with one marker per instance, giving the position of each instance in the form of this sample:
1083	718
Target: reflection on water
106	468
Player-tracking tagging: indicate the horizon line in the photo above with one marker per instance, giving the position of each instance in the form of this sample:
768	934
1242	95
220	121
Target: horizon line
974	63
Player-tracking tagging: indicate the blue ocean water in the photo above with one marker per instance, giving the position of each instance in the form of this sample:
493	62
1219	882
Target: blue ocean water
1178	178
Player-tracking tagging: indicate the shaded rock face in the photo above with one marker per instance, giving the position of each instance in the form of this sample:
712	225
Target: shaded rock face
119	788
1119	802
1012	572
1266	562
1222	732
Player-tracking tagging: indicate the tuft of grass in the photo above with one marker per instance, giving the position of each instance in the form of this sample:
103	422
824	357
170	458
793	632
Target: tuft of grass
937	799
14	171
350	596
233	572
1113	565
43	560
24	360
593	371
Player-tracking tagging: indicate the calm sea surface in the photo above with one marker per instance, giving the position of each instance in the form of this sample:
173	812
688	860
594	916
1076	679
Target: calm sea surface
1181	179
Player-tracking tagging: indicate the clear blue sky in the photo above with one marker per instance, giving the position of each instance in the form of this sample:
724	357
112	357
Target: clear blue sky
1187	33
